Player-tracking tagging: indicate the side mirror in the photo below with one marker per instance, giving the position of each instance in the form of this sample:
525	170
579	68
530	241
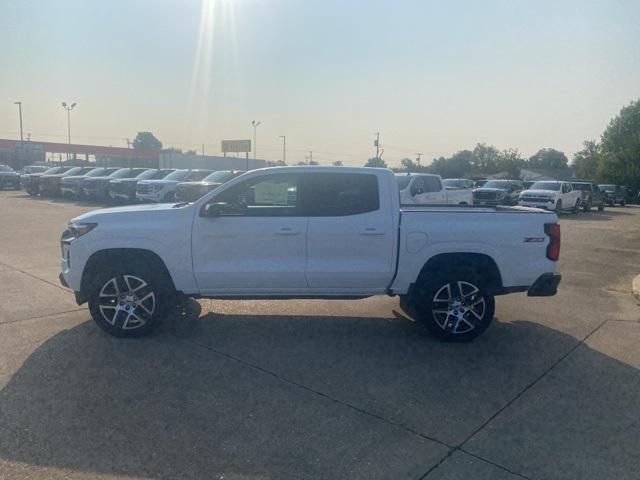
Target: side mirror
214	209
416	191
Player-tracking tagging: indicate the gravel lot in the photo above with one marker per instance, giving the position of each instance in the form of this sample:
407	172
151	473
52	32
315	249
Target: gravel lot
321	389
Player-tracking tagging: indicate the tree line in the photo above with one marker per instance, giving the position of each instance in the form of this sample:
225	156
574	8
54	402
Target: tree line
613	159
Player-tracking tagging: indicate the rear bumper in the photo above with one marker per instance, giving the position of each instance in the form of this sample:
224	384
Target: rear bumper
545	286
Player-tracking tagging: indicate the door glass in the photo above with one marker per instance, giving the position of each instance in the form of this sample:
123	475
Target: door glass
432	184
417	187
272	196
338	194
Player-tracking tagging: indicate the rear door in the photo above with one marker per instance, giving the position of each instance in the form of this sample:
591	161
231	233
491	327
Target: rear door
350	239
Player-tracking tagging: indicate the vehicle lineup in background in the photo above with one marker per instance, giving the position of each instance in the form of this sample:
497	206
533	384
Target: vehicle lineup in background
590	195
614	194
428	189
164	190
552	195
309	232
498	192
9	177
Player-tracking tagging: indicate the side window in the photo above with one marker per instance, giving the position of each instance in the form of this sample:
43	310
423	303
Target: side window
432	184
417	187
270	196
338	194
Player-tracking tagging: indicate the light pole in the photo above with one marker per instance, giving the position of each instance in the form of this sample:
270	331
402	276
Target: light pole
255	124
20	110
68	108
284	149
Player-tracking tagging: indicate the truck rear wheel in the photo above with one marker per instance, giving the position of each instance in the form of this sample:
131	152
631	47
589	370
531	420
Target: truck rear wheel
454	307
129	301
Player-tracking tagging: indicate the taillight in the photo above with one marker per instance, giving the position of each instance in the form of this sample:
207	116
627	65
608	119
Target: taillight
553	232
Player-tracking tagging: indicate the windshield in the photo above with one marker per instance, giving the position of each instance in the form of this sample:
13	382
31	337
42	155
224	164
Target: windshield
177	175
122	173
501	184
52	170
73	171
96	172
4	168
582	186
546	186
453	182
147	175
403	181
608	188
220	177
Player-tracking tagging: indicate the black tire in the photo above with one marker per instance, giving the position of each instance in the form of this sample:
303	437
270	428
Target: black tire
135	313
169	197
601	207
559	206
427	306
588	206
576	208
623	203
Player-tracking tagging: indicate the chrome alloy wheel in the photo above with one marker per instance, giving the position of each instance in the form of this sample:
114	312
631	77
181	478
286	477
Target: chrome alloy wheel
458	307
127	302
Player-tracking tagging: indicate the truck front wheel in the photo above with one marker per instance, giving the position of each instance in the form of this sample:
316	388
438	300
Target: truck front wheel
129	301
454	307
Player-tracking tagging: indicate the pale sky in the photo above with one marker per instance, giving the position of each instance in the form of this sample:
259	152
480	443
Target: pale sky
431	77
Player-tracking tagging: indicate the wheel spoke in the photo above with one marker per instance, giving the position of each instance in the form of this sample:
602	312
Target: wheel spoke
131	289
113	282
446	288
473	288
140	321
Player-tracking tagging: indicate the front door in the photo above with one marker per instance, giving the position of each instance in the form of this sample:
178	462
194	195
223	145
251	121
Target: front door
428	190
255	242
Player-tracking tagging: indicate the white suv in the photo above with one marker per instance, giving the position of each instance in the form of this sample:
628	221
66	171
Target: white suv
551	195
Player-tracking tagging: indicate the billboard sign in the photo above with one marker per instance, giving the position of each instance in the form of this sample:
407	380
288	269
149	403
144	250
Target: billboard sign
236	146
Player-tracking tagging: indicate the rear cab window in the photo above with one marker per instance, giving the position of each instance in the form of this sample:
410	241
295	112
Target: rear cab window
338	194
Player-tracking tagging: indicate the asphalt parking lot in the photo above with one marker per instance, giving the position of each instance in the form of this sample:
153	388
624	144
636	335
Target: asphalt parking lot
321	389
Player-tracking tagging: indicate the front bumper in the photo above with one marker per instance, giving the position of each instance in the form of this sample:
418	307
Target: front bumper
120	196
149	197
546	204
545	286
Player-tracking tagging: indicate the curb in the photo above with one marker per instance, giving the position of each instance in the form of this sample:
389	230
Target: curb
635	287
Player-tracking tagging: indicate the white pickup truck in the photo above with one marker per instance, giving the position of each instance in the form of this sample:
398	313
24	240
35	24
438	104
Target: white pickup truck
429	189
309	232
551	195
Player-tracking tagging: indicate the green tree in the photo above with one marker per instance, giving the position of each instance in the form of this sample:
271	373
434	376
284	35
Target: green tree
586	160
620	148
337	163
548	158
459	165
485	158
146	140
172	150
510	161
376	162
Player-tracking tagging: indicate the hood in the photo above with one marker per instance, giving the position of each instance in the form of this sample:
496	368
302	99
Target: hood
200	184
158	182
494	190
107	213
125	180
97	179
539	192
73	179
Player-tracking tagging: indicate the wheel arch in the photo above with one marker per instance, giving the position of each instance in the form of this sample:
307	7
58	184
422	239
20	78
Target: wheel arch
454	261
119	256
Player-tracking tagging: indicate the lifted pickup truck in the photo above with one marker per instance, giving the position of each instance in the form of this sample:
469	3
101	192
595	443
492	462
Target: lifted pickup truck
309	232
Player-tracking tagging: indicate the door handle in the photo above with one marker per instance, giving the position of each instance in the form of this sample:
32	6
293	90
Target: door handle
287	231
371	231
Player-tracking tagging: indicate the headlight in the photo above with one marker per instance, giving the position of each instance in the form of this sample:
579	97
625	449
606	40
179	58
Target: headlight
157	187
76	230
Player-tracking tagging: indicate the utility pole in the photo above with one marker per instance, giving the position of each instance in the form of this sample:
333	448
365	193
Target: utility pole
20	110
284	149
255	124
418	159
376	143
310	157
203	149
68	108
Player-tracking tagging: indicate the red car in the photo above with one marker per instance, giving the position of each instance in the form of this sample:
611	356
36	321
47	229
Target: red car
49	184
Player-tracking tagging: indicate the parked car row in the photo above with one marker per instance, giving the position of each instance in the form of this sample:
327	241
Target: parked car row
123	185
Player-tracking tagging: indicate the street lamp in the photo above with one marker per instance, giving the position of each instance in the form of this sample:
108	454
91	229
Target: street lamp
254	124
20	110
68	108
284	149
